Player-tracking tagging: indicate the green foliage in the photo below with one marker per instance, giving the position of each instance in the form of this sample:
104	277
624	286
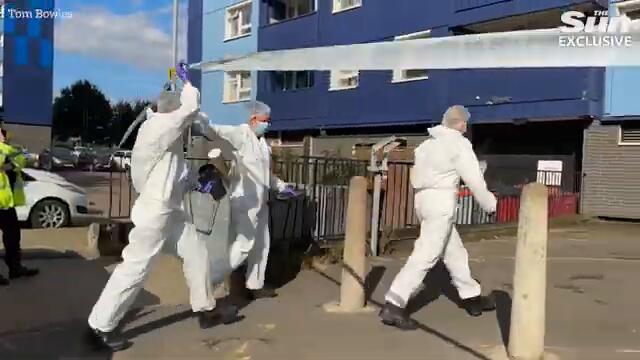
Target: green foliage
82	110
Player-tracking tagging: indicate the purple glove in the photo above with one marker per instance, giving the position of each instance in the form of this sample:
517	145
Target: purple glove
182	70
288	193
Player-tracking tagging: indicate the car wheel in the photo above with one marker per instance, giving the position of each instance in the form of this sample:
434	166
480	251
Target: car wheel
49	214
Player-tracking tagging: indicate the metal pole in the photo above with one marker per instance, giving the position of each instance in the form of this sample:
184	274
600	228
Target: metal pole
375	213
175	32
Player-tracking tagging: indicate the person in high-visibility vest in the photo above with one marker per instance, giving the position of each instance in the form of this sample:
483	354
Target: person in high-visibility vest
12	161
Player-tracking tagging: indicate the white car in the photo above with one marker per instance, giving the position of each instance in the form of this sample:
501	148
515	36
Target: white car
52	201
121	160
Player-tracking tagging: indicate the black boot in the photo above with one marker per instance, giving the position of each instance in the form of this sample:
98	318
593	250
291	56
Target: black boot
220	315
22	271
476	305
393	315
264	293
103	341
3	281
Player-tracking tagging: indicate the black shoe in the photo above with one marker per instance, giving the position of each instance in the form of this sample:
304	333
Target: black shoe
3	281
220	315
476	305
100	341
264	293
22	272
393	315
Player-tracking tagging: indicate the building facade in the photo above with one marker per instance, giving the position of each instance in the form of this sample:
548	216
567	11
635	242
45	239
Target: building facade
542	112
228	28
27	72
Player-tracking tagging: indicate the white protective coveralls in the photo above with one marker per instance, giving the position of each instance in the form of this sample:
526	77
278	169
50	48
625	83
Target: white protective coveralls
250	182
157	168
440	161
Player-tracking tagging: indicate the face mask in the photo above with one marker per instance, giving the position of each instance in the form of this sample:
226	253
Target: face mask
261	128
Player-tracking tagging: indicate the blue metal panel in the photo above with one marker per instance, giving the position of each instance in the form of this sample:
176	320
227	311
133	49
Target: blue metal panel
21	50
28	70
464	12
46	53
33	27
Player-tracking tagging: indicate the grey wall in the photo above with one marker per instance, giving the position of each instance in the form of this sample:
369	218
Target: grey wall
610	186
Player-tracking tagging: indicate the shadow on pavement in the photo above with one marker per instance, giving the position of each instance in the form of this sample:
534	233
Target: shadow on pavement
422	327
45	317
157	324
436	283
503	313
373	279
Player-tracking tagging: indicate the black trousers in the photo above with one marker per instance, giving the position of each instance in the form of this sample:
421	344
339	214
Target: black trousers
10	228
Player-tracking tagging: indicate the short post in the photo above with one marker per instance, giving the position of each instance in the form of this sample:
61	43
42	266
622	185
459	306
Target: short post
375	213
526	337
354	272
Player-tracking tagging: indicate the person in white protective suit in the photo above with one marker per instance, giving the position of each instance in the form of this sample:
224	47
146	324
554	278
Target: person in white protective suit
158	171
440	162
251	180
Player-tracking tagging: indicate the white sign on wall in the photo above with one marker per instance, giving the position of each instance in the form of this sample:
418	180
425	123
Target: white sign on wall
550	172
550	165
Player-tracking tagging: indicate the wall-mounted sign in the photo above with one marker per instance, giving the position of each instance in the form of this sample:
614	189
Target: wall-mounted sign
550	165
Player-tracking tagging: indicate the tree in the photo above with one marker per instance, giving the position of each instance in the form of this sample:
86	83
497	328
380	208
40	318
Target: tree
82	110
124	114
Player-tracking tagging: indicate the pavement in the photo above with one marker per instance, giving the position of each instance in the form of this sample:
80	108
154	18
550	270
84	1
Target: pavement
592	298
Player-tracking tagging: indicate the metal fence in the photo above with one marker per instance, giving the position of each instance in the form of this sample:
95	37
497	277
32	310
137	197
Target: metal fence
398	215
319	215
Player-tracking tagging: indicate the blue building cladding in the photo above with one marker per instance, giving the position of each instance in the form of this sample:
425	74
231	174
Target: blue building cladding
217	44
28	64
493	96
621	99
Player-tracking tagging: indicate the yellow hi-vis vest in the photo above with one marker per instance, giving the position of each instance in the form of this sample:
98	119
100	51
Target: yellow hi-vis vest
8	198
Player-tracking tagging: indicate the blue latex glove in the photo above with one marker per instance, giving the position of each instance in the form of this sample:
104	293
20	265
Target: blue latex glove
182	71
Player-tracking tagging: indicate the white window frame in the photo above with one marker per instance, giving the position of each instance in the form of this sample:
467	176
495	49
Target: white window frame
337	5
337	76
625	7
623	143
228	97
238	9
400	75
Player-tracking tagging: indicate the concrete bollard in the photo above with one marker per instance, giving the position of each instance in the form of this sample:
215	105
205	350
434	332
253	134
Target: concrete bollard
526	337
93	239
352	287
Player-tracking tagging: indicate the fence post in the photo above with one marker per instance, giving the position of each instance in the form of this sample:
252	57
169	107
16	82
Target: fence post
526	337
375	213
354	268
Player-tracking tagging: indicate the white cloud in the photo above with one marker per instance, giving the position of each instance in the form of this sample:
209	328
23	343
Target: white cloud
131	38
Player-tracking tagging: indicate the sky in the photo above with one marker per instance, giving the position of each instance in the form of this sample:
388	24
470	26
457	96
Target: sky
122	46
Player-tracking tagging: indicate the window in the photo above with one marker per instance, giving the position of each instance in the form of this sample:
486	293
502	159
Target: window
630	134
292	80
411	74
342	5
344	79
237	86
280	10
238	21
630	9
